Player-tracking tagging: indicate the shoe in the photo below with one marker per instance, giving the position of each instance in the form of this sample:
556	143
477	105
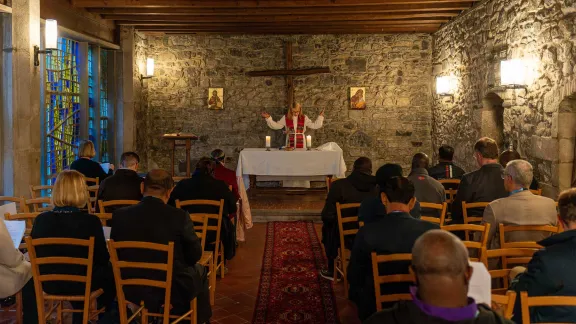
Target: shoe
329	275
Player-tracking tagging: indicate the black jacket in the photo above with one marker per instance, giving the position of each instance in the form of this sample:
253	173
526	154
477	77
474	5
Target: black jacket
482	185
90	169
352	189
394	233
405	312
123	185
446	170
550	273
70	222
372	209
153	221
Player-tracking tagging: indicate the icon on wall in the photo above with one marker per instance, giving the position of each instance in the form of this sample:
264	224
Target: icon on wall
357	98
216	98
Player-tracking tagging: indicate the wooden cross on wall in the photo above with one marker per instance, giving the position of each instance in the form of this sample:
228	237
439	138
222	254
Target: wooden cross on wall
289	72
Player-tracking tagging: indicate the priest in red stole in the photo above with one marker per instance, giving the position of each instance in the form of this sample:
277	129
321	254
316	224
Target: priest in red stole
296	124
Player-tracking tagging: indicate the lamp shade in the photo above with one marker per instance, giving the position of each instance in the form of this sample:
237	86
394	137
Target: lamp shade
513	73
51	37
446	85
149	67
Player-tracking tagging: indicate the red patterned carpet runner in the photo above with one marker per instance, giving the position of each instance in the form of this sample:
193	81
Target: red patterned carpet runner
291	289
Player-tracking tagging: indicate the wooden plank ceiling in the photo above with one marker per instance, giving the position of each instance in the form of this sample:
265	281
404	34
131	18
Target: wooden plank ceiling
279	16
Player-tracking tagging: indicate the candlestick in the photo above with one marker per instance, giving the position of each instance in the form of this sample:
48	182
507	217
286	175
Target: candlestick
267	143
309	141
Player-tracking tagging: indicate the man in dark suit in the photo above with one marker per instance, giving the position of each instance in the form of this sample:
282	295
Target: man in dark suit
395	233
152	220
359	185
125	183
483	185
446	169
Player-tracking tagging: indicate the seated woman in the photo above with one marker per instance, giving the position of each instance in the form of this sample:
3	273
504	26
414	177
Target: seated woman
221	172
16	275
68	221
85	165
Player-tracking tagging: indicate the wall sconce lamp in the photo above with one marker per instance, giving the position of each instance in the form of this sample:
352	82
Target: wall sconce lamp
50	40
446	86
514	74
149	69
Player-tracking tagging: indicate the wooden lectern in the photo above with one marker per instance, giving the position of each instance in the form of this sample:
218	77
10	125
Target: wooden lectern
187	138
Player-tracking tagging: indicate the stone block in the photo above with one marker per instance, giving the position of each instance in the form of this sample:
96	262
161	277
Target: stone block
566	125
356	64
545	148
566	150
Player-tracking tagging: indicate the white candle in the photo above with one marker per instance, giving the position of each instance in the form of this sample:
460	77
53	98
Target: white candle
267	141
309	141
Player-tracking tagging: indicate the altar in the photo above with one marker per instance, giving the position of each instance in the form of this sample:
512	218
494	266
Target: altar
296	165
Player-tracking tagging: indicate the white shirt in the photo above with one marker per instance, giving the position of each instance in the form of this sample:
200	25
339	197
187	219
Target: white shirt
308	123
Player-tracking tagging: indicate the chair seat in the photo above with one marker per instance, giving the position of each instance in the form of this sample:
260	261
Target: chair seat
93	295
205	259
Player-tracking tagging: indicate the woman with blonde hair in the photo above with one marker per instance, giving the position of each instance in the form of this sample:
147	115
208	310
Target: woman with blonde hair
67	220
295	123
85	165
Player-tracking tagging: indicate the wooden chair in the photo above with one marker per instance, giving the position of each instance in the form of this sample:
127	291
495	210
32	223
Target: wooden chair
504	304
104	217
503	229
479	245
89	297
16	309
343	253
450	192
27	217
509	258
433	219
204	220
118	265
93	193
395	278
20	203
36	191
178	179
92	181
528	302
39	205
537	192
112	203
466	206
329	181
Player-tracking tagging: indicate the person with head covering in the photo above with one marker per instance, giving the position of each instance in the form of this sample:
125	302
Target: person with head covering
154	221
372	209
446	169
85	165
295	124
359	185
221	172
392	234
443	274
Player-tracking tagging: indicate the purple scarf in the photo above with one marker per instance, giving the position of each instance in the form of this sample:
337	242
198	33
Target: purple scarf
448	314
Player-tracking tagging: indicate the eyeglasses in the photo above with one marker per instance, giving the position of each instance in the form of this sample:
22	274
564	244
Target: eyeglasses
504	175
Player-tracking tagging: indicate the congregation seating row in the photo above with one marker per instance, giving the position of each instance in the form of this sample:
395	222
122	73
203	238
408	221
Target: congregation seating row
213	260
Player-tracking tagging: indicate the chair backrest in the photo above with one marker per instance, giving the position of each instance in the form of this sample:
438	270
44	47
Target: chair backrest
36	191
479	245
450	188
204	219
503	229
113	203
39	278
104	217
40	204
528	302
477	205
395	278
178	179
443	207
118	265
504	303
29	220
509	258
329	181
92	181
537	192
348	220
20	203
93	193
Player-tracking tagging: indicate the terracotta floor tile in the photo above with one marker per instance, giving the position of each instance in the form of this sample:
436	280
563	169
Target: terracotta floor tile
234	319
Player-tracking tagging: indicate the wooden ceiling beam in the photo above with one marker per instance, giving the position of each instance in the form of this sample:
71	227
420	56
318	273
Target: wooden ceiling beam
248	3
273	30
282	24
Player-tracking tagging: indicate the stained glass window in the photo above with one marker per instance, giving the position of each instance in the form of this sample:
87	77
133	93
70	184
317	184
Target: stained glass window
91	101
104	108
62	108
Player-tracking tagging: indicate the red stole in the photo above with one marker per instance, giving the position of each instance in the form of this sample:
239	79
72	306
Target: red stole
299	129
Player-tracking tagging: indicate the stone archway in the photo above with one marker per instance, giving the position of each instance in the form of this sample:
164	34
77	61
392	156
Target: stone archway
567	143
492	117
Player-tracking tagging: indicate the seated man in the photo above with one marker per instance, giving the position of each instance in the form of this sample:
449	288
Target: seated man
152	220
359	185
446	169
482	185
372	209
203	186
510	155
428	189
520	208
443	274
551	270
124	184
395	233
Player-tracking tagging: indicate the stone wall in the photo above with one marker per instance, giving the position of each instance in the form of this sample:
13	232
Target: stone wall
395	69
471	48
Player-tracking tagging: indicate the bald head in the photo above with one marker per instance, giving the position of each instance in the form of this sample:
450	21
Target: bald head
420	161
439	253
158	182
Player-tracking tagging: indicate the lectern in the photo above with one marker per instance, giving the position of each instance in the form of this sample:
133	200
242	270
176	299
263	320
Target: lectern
176	141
